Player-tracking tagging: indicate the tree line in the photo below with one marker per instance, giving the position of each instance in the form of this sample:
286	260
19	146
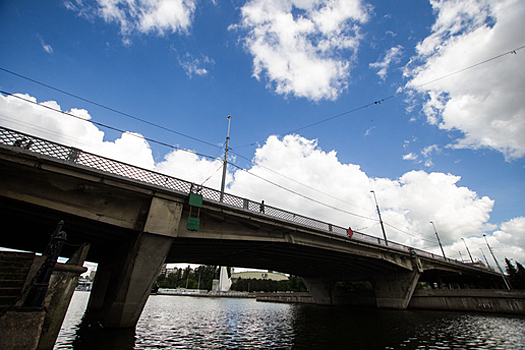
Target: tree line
202	278
515	275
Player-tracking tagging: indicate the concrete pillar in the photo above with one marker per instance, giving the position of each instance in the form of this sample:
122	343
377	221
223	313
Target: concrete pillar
62	285
321	290
124	281
394	290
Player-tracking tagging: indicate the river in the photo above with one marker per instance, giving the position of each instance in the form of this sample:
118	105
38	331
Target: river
184	322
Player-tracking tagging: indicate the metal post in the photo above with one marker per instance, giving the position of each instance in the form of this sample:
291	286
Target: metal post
486	261
497	263
380	219
468	250
225	164
439	241
40	283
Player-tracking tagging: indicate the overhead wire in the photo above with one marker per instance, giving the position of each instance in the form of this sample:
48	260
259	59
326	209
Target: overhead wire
399	93
108	108
174	147
303	196
161	143
298	182
377	102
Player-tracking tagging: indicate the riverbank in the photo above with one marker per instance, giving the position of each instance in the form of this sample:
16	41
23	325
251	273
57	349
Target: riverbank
478	300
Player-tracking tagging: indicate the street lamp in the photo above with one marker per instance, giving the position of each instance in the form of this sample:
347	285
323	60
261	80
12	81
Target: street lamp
380	220
497	263
468	250
225	164
439	241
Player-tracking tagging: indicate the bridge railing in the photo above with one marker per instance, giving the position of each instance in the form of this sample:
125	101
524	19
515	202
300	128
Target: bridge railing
70	154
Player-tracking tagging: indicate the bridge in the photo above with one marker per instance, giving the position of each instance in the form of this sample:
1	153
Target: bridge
136	220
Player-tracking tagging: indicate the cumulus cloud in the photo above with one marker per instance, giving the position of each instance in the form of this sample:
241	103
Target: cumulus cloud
144	16
51	124
303	47
486	103
311	182
393	55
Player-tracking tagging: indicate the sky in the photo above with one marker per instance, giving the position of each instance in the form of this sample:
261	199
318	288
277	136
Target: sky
422	102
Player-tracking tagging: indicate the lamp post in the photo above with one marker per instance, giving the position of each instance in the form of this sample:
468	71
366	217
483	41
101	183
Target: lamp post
468	251
439	241
225	164
380	219
484	257
497	263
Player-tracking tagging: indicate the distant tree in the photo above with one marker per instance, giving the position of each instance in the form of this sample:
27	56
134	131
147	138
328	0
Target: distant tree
293	284
516	275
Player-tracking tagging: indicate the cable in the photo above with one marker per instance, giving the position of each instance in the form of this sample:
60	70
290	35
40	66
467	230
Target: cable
401	92
107	126
108	108
302	195
300	183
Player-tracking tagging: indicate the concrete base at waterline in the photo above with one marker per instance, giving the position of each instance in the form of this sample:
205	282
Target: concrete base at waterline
479	300
21	329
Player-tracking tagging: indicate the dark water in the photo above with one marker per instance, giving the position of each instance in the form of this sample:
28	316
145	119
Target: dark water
176	322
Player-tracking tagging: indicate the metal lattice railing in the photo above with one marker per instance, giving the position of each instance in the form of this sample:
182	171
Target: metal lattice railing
70	154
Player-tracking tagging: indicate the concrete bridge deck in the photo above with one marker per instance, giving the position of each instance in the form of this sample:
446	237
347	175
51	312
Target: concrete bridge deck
135	220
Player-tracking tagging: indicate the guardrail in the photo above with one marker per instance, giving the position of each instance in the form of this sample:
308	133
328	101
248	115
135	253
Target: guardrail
70	154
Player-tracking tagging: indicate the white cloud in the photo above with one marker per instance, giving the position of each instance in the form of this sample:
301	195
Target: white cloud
486	103
304	47
508	241
193	65
410	156
427	151
407	204
393	55
47	123
47	48
144	16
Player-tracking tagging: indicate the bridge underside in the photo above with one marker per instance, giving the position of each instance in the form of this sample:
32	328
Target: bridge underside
29	227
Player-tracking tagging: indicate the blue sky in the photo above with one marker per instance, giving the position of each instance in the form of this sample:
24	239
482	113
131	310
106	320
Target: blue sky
446	144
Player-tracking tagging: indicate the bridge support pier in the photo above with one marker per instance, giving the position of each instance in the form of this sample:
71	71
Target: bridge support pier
321	290
394	290
124	280
122	285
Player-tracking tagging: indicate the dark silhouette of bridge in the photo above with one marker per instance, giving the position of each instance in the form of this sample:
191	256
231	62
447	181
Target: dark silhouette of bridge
136	220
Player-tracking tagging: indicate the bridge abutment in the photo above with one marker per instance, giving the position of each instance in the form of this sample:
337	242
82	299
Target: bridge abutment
124	280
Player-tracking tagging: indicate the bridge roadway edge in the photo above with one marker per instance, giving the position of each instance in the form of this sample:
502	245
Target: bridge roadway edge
121	287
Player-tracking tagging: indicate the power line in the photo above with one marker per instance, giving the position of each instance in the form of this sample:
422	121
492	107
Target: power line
177	148
304	196
401	92
161	143
108	108
300	183
215	158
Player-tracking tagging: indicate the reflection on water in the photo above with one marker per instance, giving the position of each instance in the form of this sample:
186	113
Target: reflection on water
176	322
